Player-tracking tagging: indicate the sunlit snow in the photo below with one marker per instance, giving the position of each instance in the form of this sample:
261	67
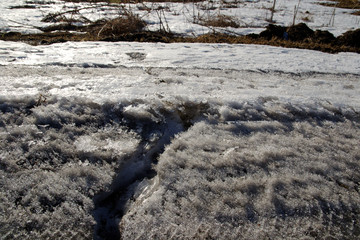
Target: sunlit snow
178	141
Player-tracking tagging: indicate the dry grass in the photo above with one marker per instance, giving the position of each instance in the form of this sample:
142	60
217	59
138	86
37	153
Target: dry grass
129	23
220	21
349	4
253	39
336	45
58	37
130	27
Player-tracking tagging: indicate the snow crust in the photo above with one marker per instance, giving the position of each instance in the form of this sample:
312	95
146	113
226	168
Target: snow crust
178	141
254	180
239	153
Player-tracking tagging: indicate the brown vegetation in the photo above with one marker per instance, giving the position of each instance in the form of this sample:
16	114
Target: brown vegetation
255	39
130	27
129	23
349	4
298	36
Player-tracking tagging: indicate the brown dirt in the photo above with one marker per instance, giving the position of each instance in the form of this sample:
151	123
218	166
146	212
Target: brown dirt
273	31
300	32
298	36
350	38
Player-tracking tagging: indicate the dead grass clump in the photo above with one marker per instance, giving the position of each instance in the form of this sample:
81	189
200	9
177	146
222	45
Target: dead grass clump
220	21
61	17
129	23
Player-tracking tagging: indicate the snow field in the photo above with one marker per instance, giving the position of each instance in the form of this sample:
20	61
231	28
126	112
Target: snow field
166	155
178	141
251	16
178	55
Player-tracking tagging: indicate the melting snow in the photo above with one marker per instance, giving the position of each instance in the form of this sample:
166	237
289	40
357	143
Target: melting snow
164	141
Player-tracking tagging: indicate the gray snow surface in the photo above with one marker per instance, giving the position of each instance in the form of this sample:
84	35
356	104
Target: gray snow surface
273	163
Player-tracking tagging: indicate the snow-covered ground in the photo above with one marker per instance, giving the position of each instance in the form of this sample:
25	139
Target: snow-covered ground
145	55
251	15
171	141
178	141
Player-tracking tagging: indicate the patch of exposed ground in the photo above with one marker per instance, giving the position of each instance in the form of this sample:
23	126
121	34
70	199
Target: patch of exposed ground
72	26
297	36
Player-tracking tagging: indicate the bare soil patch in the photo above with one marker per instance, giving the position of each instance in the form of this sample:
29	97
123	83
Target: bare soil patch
73	26
131	28
297	36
